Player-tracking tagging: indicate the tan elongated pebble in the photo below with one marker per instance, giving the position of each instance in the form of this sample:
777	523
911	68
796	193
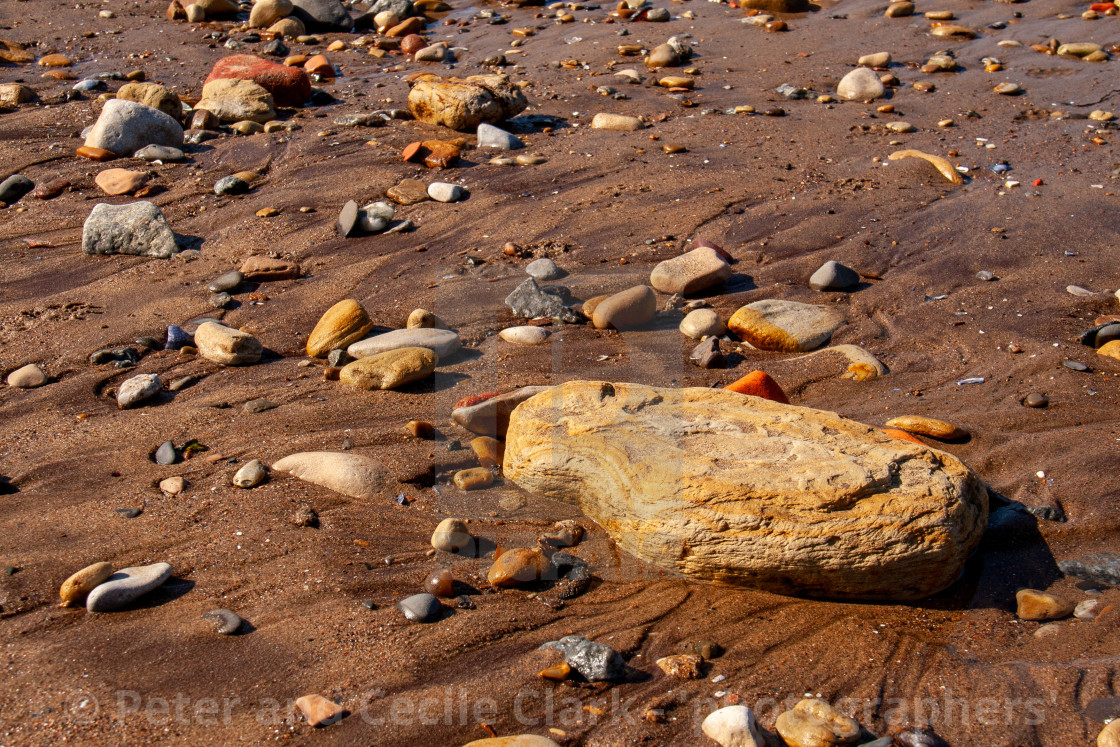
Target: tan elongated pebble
75	588
619	122
474	478
1031	604
927	427
939	163
952	30
342	324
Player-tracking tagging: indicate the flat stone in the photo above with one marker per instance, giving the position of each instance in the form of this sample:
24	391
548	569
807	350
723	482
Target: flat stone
475	478
733	726
833	276
119	181
227	282
408	192
876	59
861	84
350	474
445	192
490	136
75	588
15	187
260	269
928	427
51	189
649	462
14	94
27	377
597	662
318	711
701	323
126	586
225	345
530	301
1036	605
491	416
347	223
518	566
162	153
627	309
451	535
443	342
389	370
341	325
787	326
138	389
137	228
524	335
251	474
691	272
125	127
259	405
707	354
236	100
228	621
420	608
616	122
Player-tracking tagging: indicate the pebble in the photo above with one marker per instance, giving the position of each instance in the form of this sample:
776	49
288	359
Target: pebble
228	621
166	454
597	662
833	276
518	566
707	354
616	122
251	474
408	192
138	389
424	319
759	384
125	127
127	585
488	450
173	485
1087	609
524	335
1036	605
529	300
231	185
876	59
861	84
125	355
920	738
220	300
928	427
1075	366
318	711
733	726
137	228
347	223
162	153
451	535
564	533
390	369
440	583
1035	399
230	347
375	217
31	376
420	608
702	323
420	429
177	337
682	666
544	269
787	326
475	478
490	136
51	189
1110	349
985	275
815	723
443	342
15	187
691	272
259	405
1008	89
75	588
343	324
627	309
445	192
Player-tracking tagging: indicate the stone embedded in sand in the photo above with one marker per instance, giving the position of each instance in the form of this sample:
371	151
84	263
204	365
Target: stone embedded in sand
344	323
27	377
289	86
524	335
787	326
318	711
408	192
815	723
267	12
125	127
322	15
518	566
663	55
900	9
120	181
691	272
251	474
683	666
759	384
876	59
127	585
1032	604
475	478
75	588
616	122
597	662
423	607
442	342
491	416
261	269
137	389
390	369
451	535
833	276
153	95
15	187
702	323
14	94
530	301
350	474
173	485
55	60
733	726
225	345
821	505
488	450
627	309
235	100
228	621
424	319
463	104
861	84
517	740
164	153
15	53
927	427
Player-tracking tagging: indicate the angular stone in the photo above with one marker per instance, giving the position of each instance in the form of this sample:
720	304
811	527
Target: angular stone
225	345
408	192
27	377
14	94
340	325
733	726
173	485
231	185
861	516
815	723
528	300
463	104
127	585
627	309
833	276
702	323
318	711
235	100
289	86
707	354
260	269
79	585
137	228
490	136
350	474
163	153
442	342
153	95
691	272
1036	605
491	416
787	326
518	566
597	662
861	84
137	389
322	15
125	127
389	370
682	666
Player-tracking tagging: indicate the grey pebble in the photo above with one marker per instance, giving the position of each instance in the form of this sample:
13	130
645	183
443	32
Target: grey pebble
338	358
1075	365
221	300
544	269
164	153
420	607
251	474
180	383
985	275
229	622
127	585
128	513
231	185
15	187
833	276
597	662
259	405
226	282
166	454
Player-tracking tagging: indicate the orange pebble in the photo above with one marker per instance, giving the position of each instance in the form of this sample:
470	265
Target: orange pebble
901	434
759	384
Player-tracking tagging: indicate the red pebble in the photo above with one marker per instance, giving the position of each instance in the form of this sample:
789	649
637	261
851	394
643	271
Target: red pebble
901	434
1102	7
474	399
701	241
759	384
1037	182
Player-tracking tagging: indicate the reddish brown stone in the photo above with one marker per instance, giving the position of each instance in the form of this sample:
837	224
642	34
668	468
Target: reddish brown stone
319	65
440	154
413	25
413	43
413	151
51	189
262	269
289	86
474	399
96	154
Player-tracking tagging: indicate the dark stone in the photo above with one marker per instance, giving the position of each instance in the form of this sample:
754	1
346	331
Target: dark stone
1035	399
150	343
202	119
1101	568
15	187
319	97
275	48
530	301
597	662
920	738
1107	333
338	358
166	454
226	282
109	355
221	300
231	185
347	219
464	602
322	15
707	354
420	607
259	405
177	337
129	513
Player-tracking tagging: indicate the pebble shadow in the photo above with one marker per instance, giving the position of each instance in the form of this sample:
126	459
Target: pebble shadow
171	590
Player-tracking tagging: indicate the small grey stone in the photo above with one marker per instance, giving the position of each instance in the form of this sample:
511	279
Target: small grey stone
125	127
163	153
226	282
544	269
1075	366
597	662
126	586
138	389
1087	609
1107	333
275	48
128	513
985	275
657	15
402	9
420	607
528	300
258	405
221	300
322	15
180	383
490	136
229	622
136	228
347	219
88	84
833	276
150	343
251	474
108	355
707	354
338	358
197	137
177	337
375	217
1100	568
166	454
15	187
445	192
792	92
231	185
920	738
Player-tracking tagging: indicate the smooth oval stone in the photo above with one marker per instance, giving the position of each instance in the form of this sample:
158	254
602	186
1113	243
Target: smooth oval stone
475	478
691	272
445	192
350	474
630	308
250	475
442	342
259	405
347	222
228	621
1035	399
27	377
420	607
1075	366
833	276
226	282
861	84
787	326
518	566
166	454
488	450
341	325
732	726
126	586
702	323
544	269
164	153
440	583
138	389
451	535
75	588
231	185
524	335
391	369
616	122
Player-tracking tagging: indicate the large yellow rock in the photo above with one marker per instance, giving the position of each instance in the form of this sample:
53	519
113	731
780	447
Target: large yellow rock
1031	604
463	104
342	324
788	326
745	491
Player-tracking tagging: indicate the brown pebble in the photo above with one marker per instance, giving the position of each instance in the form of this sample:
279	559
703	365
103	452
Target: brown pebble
440	583
558	672
96	154
518	566
420	429
1036	399
475	478
489	451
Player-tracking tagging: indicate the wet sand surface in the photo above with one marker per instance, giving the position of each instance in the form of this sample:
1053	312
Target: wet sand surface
781	194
